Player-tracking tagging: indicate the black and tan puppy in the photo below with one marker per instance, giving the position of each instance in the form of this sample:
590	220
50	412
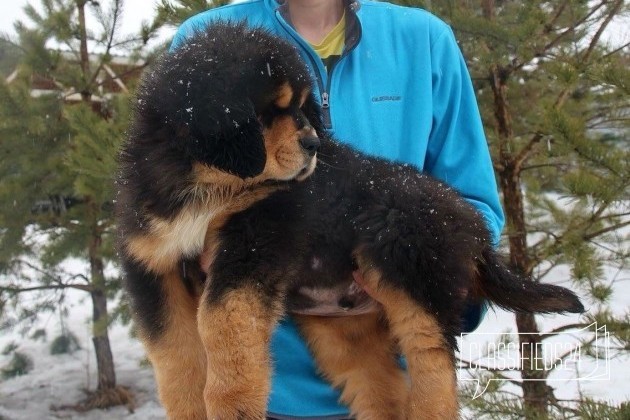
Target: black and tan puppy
221	158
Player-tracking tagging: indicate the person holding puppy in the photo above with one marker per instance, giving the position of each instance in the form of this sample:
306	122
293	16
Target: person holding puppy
391	82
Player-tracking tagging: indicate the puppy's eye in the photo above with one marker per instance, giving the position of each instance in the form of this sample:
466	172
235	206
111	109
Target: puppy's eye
271	112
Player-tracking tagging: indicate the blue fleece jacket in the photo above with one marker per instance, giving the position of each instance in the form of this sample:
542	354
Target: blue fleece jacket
401	90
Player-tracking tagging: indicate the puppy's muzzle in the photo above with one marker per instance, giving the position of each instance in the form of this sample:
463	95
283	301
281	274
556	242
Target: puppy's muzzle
310	144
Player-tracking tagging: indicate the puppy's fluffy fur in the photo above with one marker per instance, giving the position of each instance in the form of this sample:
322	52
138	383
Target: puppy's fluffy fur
221	158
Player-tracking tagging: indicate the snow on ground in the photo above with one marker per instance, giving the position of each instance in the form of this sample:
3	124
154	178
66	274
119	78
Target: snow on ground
59	380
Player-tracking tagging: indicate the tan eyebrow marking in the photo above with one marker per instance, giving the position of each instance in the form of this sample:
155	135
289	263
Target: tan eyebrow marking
285	94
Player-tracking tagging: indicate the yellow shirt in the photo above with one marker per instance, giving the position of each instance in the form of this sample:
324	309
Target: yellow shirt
331	47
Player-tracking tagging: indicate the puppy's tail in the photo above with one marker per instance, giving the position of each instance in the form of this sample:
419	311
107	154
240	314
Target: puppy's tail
498	284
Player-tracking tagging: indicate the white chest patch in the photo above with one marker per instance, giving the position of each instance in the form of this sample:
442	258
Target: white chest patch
184	236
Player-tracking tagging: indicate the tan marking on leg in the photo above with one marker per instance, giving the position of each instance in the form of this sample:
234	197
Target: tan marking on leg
430	361
285	94
236	332
357	354
177	356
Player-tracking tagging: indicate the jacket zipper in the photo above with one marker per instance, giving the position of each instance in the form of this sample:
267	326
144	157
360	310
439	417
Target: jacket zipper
324	90
325	104
314	65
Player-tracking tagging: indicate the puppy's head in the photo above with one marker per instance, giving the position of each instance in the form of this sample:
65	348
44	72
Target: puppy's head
234	99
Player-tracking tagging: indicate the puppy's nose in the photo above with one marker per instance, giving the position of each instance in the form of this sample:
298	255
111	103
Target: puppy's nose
310	144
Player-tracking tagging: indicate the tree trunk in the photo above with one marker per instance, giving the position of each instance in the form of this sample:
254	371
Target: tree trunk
86	95
100	318
536	393
104	358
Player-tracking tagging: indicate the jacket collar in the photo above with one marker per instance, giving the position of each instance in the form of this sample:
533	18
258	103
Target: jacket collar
353	25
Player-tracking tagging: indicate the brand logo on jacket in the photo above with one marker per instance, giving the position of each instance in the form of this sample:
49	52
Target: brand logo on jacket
387	98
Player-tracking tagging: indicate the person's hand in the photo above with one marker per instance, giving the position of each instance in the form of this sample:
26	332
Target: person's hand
368	288
205	259
381	293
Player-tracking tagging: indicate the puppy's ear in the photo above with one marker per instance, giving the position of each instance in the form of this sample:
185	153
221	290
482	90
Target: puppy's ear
230	140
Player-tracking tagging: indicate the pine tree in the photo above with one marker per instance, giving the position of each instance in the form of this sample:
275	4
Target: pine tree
58	164
9	57
174	13
554	101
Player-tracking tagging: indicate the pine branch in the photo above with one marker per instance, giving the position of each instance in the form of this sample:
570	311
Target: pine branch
562	97
572	28
553	248
58	283
544	273
611	228
48	274
559	11
112	30
469	365
518	65
616	50
601	405
498	167
558	404
568	353
130	40
119	76
487	6
49	287
618	254
536	260
613	12
559	330
84	57
526	151
614	216
599	212
558	165
603	122
13	43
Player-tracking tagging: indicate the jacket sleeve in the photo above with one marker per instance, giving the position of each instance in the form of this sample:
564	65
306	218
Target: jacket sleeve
458	152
